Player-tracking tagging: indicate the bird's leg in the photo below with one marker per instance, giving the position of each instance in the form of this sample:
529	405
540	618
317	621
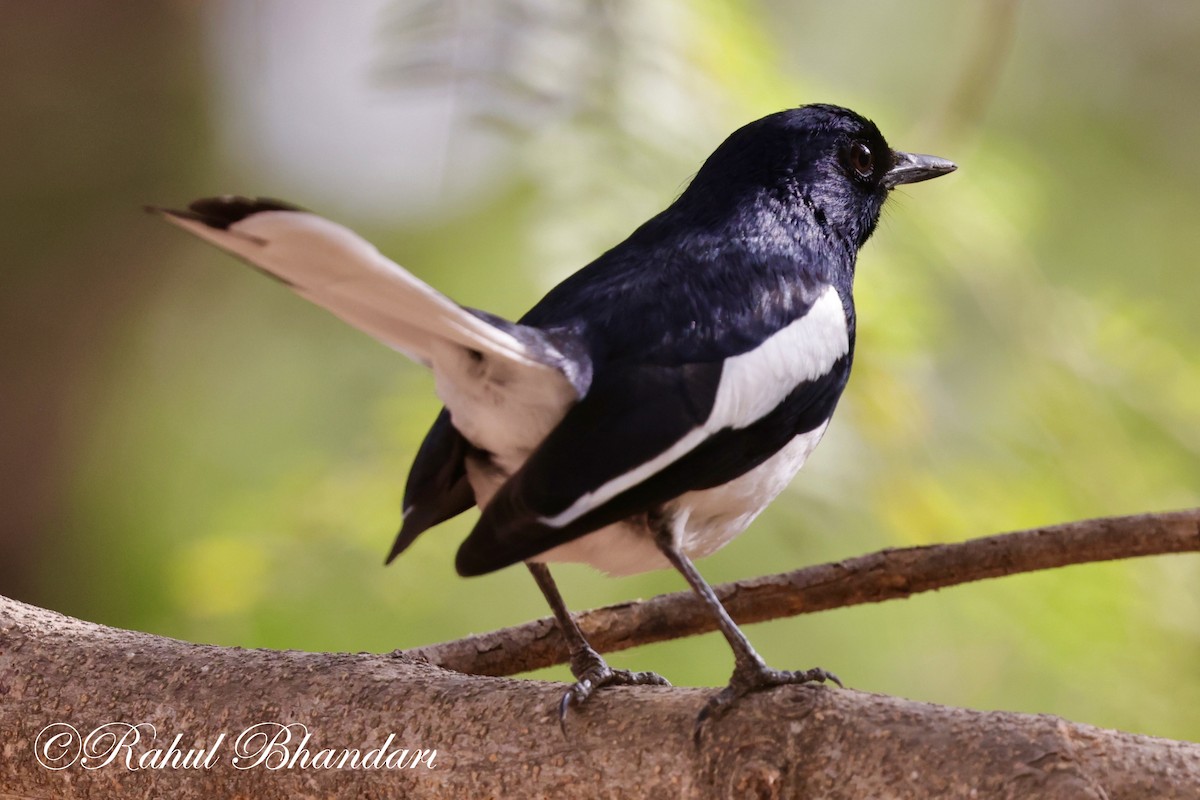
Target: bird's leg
750	673
591	671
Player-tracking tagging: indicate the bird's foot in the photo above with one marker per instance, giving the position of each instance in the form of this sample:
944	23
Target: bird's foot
755	677
592	672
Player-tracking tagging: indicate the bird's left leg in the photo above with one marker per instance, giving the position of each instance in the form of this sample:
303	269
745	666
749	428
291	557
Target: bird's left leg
750	672
591	671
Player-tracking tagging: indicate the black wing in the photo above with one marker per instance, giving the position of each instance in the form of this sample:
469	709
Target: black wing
506	384
437	487
589	444
647	433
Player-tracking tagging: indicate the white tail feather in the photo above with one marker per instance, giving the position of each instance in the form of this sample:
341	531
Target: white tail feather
338	270
503	394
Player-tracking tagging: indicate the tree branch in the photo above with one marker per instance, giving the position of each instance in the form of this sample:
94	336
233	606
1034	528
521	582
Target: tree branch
886	575
500	738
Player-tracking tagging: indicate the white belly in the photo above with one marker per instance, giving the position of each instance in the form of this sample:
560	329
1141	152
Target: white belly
704	521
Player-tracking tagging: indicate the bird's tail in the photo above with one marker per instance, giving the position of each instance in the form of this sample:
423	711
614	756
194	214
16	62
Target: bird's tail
338	270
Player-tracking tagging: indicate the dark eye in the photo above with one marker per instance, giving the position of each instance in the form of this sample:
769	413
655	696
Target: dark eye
861	160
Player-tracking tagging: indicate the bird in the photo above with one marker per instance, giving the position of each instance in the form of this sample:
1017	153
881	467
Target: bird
651	405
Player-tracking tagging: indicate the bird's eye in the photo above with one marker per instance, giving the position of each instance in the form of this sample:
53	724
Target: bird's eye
861	159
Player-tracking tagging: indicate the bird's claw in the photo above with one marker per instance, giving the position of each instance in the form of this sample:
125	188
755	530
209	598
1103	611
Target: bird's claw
755	678
593	676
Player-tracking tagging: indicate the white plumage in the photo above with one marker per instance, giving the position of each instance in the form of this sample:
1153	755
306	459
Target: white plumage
704	521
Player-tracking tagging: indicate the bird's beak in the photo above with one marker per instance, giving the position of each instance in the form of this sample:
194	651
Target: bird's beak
913	167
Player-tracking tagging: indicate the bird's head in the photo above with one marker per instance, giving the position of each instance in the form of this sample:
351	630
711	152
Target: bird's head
820	164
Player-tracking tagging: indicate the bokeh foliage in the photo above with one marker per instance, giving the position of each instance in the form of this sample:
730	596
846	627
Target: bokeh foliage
231	463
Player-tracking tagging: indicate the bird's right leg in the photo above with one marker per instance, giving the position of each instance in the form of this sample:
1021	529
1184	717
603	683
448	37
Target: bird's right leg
750	673
591	671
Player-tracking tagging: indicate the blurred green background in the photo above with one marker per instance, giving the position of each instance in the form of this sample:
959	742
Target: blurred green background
188	449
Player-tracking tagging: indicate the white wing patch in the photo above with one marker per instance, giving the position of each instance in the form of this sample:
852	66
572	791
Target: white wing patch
752	385
628	480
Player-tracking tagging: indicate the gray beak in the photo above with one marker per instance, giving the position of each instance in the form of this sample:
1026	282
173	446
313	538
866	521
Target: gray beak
913	167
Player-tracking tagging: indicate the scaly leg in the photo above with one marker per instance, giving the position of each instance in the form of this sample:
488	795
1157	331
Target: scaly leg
590	670
750	673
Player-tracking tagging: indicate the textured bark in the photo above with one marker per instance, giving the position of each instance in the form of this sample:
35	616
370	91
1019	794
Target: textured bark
500	738
886	575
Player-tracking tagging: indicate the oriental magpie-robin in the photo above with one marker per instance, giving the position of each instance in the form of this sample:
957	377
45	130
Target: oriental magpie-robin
649	407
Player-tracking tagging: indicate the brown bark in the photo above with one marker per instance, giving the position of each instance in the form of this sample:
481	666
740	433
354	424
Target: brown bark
886	575
499	738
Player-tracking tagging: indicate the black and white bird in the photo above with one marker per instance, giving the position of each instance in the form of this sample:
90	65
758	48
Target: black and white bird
649	407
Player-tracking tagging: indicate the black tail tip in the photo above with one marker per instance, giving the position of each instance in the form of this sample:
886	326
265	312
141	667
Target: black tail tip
225	210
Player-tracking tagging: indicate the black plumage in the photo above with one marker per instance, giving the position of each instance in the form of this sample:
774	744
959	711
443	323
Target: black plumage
650	405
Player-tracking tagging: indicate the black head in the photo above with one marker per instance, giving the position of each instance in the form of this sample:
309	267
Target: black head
818	163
